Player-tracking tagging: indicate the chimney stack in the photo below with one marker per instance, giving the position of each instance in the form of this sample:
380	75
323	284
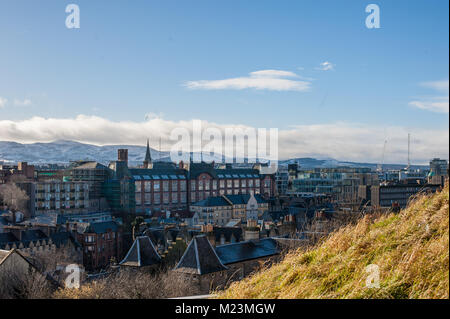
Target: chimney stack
123	155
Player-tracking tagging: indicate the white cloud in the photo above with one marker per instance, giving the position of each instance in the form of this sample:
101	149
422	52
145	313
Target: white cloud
3	102
437	104
326	66
437	85
343	141
25	102
272	80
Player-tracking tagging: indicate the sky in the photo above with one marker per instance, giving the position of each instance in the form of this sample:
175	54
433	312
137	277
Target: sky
312	69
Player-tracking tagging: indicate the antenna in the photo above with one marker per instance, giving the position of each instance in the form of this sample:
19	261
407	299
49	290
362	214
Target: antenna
409	150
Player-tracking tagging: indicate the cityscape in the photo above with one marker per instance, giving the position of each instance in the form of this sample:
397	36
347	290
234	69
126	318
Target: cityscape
183	157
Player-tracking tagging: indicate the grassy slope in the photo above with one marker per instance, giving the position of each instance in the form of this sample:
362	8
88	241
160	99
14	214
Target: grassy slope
410	248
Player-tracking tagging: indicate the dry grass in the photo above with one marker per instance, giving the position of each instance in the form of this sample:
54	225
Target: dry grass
128	284
411	250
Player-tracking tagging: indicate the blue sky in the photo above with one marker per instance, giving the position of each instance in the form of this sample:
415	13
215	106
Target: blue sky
133	58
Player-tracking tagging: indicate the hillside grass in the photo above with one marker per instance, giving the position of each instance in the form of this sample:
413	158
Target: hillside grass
410	248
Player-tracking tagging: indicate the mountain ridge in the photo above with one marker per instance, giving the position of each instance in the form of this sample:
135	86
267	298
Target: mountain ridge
64	151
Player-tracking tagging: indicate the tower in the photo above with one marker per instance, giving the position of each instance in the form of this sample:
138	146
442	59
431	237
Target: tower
148	157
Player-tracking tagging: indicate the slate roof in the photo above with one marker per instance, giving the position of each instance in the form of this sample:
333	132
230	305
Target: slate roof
228	233
101	227
34	235
244	198
141	254
248	250
200	258
213	201
160	171
198	168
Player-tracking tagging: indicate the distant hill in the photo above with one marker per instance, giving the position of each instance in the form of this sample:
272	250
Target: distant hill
306	162
411	250
62	152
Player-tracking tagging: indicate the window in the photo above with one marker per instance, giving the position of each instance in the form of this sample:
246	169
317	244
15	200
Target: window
147	199
166	186
244	183
157	198
148	186
257	184
183	197
222	183
138	199
192	185
214	184
183	186
166	198
250	183
236	183
89	239
156	186
207	185
174	198
174	186
200	185
229	183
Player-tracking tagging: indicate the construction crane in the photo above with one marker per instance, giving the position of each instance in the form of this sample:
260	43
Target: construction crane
380	166
409	149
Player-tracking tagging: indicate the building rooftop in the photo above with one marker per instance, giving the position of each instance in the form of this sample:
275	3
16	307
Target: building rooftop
248	250
212	202
100	227
200	258
141	254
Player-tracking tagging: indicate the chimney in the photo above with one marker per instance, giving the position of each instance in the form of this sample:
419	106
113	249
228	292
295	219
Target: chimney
122	155
22	166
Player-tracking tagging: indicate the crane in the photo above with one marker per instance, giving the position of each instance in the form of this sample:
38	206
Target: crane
380	166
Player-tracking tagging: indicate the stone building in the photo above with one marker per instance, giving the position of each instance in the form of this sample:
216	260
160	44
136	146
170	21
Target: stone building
142	255
162	186
101	242
212	268
220	210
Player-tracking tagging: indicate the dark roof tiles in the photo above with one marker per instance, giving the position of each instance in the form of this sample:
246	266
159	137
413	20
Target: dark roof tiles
200	258
141	254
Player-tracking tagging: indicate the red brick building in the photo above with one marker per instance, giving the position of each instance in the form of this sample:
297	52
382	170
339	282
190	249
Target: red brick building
102	242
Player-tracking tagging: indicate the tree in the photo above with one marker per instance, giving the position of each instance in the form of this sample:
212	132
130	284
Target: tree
14	197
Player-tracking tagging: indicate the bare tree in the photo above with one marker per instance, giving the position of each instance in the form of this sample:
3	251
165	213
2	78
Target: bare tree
14	197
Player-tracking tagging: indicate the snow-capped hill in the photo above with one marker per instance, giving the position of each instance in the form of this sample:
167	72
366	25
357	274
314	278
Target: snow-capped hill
63	151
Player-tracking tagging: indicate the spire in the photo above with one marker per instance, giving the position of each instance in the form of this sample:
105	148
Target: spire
148	156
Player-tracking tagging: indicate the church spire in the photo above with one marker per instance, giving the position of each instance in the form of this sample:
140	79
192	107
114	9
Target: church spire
148	156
